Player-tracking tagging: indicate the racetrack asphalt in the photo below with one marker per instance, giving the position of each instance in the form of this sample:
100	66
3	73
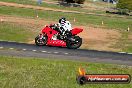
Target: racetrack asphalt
31	50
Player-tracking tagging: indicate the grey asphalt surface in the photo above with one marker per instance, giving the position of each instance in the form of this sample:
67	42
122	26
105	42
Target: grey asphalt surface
30	50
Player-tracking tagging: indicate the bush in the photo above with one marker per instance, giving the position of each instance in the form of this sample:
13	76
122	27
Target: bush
80	1
74	1
125	4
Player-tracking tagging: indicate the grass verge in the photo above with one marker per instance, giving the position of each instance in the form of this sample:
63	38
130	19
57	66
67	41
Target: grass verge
81	19
15	32
54	6
44	73
125	42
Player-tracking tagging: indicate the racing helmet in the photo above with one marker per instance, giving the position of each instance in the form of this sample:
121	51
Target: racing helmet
62	19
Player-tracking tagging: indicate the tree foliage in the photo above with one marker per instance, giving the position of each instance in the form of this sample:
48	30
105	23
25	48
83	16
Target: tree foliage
125	4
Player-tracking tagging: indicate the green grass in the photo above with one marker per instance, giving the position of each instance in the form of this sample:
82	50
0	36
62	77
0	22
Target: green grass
124	43
116	23
45	73
98	6
15	32
34	3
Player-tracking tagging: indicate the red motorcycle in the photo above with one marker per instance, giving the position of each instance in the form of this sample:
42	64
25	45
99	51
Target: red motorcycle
50	36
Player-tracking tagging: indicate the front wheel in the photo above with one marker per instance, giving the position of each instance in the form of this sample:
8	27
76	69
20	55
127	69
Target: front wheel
74	43
41	41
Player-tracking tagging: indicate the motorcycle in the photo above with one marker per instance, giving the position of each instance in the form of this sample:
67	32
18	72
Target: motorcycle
50	36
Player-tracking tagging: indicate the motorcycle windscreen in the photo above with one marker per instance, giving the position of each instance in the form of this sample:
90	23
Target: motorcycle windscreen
76	31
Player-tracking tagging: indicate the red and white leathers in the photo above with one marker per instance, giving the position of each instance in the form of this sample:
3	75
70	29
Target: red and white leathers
65	26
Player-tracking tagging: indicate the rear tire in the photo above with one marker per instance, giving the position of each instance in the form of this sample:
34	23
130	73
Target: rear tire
76	44
41	42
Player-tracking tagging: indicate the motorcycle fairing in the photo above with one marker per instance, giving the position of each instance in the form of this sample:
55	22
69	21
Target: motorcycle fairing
50	32
76	31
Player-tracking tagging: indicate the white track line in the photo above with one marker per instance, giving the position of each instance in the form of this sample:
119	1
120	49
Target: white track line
122	52
1	47
129	53
11	48
56	52
44	51
34	50
24	49
65	53
48	52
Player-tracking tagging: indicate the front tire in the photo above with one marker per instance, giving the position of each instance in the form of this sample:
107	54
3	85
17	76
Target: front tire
41	42
74	44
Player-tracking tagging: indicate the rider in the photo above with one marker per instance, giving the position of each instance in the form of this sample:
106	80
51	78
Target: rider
64	25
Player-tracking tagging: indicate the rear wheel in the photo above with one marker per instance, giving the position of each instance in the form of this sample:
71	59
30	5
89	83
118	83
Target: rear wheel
74	43
41	41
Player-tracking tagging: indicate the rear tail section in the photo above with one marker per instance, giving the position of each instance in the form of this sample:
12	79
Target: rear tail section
76	31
